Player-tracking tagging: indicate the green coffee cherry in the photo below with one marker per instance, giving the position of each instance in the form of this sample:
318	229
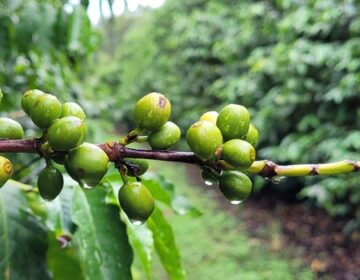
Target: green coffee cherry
45	111
210	116
29	99
10	129
168	135
152	111
235	186
253	135
6	170
1	95
66	133
87	164
209	177
233	121
204	138
50	183
238	153
136	201
140	167
72	109
73	173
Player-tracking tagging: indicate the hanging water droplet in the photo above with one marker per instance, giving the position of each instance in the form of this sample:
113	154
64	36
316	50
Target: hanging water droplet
236	202
208	183
275	179
85	186
136	222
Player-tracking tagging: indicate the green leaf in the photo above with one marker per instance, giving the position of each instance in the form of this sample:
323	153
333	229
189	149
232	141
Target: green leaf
55	214
164	191
22	237
63	262
104	248
165	245
142	241
59	219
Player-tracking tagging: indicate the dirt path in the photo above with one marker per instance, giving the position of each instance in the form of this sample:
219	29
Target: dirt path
311	233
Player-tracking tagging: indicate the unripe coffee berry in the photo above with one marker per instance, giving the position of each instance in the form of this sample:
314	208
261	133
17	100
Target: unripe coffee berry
167	135
235	186
136	201
233	121
66	133
253	135
152	111
45	111
29	99
238	153
6	170
50	183
138	166
72	109
10	129
204	139
210	116
87	164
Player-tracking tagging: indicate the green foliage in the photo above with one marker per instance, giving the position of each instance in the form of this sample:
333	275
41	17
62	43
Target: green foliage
219	247
43	47
165	245
104	248
156	235
82	234
296	64
15	217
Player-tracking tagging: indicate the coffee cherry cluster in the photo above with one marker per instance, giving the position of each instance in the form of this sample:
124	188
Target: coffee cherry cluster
62	141
151	114
222	141
225	140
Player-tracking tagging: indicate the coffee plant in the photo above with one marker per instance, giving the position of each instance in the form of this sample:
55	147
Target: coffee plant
111	175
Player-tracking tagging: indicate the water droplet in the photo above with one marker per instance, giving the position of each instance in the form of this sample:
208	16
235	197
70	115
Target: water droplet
275	179
48	198
85	186
236	202
208	183
136	222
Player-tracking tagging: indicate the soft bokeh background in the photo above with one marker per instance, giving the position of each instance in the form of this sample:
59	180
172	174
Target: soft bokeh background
294	64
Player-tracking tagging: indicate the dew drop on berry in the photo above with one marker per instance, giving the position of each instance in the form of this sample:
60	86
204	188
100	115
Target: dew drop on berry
236	202
208	183
85	186
136	222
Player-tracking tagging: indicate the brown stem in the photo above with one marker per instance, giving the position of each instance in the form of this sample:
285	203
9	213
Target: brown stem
114	151
265	168
19	146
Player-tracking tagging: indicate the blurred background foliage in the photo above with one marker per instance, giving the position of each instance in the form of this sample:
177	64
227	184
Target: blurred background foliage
295	65
44	44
